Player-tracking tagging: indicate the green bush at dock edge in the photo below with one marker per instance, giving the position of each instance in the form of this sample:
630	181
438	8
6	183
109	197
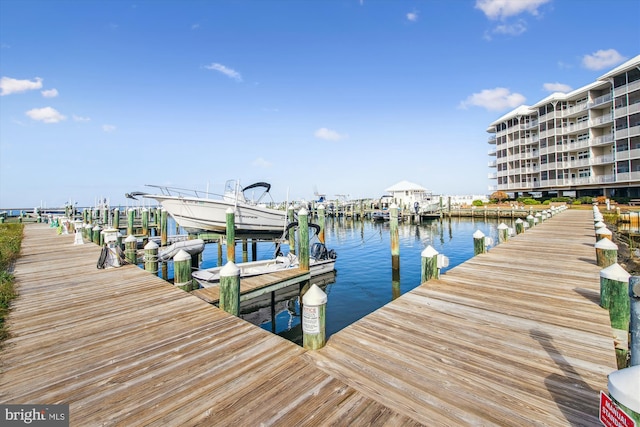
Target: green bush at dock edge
10	242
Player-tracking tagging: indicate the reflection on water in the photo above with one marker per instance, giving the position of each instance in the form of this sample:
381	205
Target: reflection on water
363	281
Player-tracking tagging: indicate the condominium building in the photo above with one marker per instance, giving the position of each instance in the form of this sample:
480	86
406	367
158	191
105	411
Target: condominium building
582	143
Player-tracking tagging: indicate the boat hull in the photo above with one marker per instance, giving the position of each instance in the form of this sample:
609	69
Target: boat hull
194	214
211	277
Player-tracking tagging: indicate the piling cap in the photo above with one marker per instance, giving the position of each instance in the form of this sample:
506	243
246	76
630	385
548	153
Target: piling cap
605	244
230	269
320	206
478	234
130	238
519	221
151	245
624	386
600	224
303	211
182	255
314	296
615	272
429	252
503	226
229	211
603	230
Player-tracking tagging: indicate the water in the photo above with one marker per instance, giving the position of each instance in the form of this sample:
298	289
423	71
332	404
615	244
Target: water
363	280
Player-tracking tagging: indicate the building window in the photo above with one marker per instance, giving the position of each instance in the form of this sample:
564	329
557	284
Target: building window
584	173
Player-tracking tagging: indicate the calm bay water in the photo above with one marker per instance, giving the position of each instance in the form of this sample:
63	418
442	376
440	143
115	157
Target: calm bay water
363	280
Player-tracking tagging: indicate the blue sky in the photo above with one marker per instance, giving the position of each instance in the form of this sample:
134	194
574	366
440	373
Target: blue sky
99	98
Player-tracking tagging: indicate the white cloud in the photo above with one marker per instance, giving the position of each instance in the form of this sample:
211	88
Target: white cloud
50	93
261	163
80	119
514	29
412	16
602	59
9	85
224	70
46	115
496	99
329	135
195	26
557	87
501	9
108	128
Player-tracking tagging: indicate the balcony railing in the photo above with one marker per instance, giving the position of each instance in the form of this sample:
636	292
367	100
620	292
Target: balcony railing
600	100
604	139
607	118
492	139
492	163
628	176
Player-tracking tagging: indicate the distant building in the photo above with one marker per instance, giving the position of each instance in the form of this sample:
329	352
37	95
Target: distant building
583	143
405	194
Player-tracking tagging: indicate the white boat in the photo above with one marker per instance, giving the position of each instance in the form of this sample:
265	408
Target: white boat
192	247
200	211
321	261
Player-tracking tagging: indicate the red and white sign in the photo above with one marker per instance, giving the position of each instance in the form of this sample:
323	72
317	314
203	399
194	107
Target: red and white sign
611	415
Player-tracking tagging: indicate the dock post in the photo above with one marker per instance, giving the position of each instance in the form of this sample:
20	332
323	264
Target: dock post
479	246
245	250
151	257
314	312
231	235
220	243
614	296
606	253
230	288
145	222
430	268
503	232
164	221
182	270
531	220
131	249
634	320
603	233
321	222
303	224
96	235
292	234
116	218
131	213
519	226
395	239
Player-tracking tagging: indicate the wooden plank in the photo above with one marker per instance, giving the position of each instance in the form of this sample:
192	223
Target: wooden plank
511	337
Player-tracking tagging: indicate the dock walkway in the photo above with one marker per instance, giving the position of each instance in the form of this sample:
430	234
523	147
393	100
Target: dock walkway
511	337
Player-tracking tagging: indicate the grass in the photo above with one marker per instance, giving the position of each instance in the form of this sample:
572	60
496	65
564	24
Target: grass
10	242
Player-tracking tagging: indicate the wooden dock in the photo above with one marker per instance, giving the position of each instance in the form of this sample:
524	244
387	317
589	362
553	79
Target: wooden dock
251	287
511	337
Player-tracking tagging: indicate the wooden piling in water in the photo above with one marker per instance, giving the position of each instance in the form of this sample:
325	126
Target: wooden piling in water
164	224
230	288
503	232
303	224
321	218
519	226
145	222
231	235
116	218
131	214
395	238
292	233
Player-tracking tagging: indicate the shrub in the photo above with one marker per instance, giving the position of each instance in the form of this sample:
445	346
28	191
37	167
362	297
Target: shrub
477	203
529	201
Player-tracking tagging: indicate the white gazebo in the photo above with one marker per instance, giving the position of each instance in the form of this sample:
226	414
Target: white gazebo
405	194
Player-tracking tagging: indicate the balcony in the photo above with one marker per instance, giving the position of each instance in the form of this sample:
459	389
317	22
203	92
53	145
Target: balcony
602	140
601	100
627	111
628	154
575	109
627	88
492	175
492	152
492	139
602	120
601	160
628	132
628	176
492	163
